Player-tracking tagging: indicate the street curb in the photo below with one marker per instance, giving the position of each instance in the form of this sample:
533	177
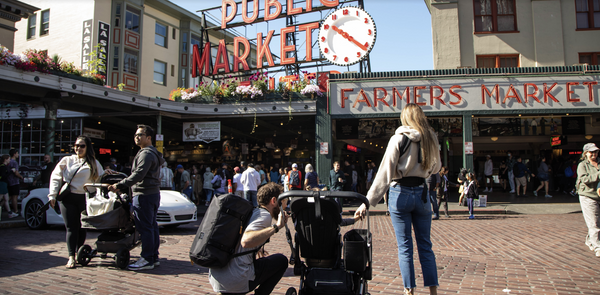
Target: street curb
12	223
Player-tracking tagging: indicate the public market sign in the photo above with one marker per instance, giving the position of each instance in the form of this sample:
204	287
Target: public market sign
201	131
466	94
201	61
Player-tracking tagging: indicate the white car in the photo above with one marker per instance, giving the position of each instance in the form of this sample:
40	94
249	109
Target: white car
175	209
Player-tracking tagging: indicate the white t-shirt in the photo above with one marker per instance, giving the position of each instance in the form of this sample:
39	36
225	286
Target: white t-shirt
234	277
237	179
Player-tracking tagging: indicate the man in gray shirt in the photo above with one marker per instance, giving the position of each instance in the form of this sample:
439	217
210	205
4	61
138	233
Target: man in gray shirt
145	186
185	183
244	273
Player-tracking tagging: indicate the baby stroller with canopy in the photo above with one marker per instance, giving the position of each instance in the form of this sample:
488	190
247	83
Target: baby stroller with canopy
109	212
325	263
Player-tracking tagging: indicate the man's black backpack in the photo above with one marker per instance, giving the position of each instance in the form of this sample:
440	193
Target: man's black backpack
221	230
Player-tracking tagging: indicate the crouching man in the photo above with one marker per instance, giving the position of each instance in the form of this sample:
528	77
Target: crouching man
245	273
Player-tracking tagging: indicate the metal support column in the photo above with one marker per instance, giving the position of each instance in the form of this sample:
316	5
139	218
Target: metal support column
51	107
159	124
323	135
467	137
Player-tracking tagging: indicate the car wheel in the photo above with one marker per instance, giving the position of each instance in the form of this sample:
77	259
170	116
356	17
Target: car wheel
122	258
33	219
84	255
291	291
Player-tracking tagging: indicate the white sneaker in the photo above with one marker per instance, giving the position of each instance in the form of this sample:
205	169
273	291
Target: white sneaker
12	215
141	264
548	196
511	192
598	253
535	193
491	189
485	190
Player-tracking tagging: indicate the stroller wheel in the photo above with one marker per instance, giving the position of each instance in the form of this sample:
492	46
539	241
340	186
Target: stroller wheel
84	255
291	291
122	258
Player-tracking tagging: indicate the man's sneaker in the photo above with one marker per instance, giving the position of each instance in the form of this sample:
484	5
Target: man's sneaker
491	189
548	196
141	264
156	263
511	192
598	253
12	215
473	217
485	190
535	193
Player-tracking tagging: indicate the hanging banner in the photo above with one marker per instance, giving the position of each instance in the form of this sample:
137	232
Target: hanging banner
102	54
86	44
201	131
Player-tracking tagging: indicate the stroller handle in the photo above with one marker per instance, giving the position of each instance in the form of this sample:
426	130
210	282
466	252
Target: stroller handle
96	185
324	194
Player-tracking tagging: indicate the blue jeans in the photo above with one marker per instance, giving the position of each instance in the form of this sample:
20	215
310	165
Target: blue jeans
251	197
408	210
208	193
145	208
188	192
433	200
470	203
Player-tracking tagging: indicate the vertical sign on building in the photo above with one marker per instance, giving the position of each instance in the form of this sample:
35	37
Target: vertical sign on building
86	44
103	37
159	142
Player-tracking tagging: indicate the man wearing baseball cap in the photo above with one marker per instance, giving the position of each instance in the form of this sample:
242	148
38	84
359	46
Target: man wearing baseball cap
588	182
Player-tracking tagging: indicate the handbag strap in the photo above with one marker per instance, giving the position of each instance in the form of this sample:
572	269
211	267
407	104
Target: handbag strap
76	172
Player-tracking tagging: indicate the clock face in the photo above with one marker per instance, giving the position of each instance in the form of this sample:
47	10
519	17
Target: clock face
347	36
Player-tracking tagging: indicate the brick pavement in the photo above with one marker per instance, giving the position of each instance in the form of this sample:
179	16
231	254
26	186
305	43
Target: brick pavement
526	254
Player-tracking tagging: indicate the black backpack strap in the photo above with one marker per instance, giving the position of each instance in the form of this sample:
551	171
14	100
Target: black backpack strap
405	143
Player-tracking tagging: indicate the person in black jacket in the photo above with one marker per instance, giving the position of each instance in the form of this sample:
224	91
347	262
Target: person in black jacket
47	168
145	186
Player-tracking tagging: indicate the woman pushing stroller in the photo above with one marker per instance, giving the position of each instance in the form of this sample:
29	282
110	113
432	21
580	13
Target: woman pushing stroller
403	173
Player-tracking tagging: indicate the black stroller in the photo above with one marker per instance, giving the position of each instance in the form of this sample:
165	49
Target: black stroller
118	231
316	216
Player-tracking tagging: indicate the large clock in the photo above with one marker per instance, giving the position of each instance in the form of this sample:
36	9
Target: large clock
347	36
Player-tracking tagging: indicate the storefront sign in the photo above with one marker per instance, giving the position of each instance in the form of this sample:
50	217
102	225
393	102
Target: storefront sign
202	131
272	9
86	43
472	94
469	147
159	143
94	133
103	41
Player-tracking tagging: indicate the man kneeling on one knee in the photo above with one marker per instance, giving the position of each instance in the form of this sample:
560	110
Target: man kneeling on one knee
245	273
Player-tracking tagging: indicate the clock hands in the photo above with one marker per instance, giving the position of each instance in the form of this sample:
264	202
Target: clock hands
349	38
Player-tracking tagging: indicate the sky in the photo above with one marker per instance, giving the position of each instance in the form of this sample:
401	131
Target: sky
403	32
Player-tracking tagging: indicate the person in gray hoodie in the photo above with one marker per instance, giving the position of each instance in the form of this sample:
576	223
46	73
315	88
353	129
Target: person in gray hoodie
145	186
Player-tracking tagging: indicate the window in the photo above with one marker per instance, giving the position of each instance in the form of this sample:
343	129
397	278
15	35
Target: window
184	43
160	72
172	70
588	14
118	15
31	26
173	33
45	25
590	58
498	61
116	58
183	76
495	16
160	35
130	61
195	41
132	19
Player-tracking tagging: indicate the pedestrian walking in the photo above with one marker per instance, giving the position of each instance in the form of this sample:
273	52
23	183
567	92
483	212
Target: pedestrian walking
462	181
185	182
433	182
77	170
218	182
14	179
47	168
520	171
544	177
285	179
587	184
488	171
207	186
443	193
312	178
238	187
295	178
503	170
404	177
4	186
510	163
471	193
145	187
251	181
166	177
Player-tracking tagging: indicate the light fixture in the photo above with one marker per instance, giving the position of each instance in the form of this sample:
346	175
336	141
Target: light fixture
567	114
494	138
101	122
365	140
255	148
370	143
277	150
281	124
588	137
275	133
519	115
113	141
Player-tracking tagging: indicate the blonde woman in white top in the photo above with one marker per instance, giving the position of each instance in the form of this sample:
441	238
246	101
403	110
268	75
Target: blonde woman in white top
403	175
79	169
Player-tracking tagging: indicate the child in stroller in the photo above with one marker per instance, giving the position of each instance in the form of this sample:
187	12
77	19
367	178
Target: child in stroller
110	213
317	220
